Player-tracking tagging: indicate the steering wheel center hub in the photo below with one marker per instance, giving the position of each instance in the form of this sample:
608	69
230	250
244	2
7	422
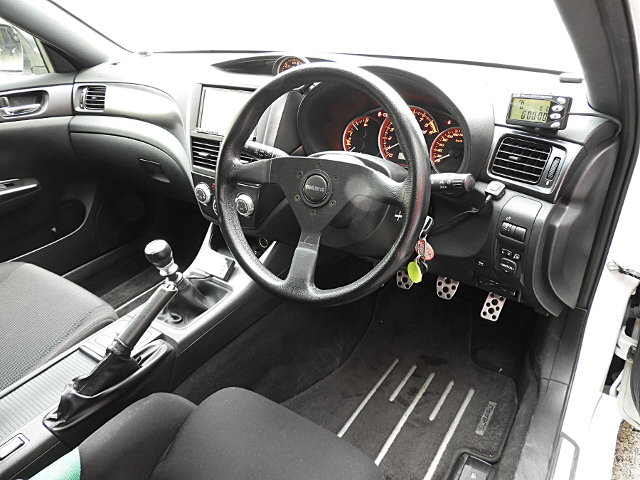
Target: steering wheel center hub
315	188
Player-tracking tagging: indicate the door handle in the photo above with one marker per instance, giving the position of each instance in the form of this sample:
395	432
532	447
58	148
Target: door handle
19	110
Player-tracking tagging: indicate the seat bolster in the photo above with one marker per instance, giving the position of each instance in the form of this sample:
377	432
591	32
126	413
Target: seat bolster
238	435
129	446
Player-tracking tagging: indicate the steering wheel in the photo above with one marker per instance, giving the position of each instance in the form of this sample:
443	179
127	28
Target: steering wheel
318	187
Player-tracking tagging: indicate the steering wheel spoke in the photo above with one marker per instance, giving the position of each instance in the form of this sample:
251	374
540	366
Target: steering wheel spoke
379	187
258	172
303	266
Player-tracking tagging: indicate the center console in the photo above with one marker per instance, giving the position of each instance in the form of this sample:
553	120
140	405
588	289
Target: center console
167	353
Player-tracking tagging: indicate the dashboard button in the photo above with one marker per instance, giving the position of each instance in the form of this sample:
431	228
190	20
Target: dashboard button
555	125
555	116
481	262
516	256
505	252
561	100
519	234
508	266
505	228
557	108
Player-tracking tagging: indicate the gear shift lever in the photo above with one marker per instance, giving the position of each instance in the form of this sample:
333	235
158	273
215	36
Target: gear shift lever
189	302
159	253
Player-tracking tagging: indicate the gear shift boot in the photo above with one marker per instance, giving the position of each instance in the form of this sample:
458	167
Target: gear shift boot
195	295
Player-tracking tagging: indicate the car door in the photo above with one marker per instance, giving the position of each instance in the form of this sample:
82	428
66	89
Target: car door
629	389
53	212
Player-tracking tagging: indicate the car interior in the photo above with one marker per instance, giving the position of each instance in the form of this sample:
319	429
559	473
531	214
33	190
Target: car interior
286	264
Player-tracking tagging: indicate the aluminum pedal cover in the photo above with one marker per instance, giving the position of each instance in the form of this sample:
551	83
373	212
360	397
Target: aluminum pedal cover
446	288
492	307
403	281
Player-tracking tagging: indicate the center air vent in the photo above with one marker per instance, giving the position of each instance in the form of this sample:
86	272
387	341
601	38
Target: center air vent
520	159
93	97
206	150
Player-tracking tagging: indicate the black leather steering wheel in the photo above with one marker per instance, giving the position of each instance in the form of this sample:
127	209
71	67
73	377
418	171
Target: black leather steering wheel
318	187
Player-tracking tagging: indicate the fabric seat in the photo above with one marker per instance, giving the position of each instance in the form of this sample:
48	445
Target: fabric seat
233	435
41	315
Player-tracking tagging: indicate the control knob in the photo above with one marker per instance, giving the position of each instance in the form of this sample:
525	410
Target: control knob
244	205
203	193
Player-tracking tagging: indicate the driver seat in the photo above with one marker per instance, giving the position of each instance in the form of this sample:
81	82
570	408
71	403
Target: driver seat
233	435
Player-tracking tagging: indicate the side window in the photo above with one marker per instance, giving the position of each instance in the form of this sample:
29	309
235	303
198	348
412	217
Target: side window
19	52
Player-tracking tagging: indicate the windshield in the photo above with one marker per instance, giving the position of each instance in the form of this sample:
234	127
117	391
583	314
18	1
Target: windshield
527	33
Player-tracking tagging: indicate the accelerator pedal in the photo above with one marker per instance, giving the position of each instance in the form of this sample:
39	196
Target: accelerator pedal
492	307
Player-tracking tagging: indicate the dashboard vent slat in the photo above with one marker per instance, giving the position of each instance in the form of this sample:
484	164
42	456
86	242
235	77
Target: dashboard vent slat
205	153
520	159
93	97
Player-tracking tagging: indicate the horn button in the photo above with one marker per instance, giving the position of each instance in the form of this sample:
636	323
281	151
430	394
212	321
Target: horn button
315	188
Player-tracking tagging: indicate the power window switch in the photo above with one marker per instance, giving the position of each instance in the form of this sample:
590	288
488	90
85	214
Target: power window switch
11	446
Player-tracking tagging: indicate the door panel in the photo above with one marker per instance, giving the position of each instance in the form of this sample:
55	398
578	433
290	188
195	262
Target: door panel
50	204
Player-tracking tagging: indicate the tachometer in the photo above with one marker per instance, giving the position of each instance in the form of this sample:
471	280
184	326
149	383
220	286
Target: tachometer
447	151
388	142
361	135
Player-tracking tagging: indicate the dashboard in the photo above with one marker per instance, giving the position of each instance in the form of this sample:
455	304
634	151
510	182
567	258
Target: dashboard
531	244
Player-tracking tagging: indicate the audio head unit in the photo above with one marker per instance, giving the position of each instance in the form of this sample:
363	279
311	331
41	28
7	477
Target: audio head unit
540	111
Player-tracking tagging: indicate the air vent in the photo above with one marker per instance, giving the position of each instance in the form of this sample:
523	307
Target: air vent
93	97
206	150
520	159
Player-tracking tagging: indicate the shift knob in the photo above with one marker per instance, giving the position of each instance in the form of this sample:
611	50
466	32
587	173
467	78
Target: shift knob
159	253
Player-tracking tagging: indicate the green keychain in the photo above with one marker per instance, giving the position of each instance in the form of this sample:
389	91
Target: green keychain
415	271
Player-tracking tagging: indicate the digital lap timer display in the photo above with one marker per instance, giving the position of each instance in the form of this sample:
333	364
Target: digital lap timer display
541	111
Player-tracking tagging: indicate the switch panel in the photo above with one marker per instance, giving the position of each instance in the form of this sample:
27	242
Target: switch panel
515	225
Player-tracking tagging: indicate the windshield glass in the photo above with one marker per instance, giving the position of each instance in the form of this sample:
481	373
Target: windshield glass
527	33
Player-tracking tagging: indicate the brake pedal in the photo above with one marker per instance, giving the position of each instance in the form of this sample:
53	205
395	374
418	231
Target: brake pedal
492	307
446	288
403	280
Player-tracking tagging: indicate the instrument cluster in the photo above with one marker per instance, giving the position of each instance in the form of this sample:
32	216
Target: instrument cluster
373	133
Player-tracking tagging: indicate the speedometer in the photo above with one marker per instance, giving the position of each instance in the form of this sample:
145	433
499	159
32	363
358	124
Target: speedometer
447	151
388	142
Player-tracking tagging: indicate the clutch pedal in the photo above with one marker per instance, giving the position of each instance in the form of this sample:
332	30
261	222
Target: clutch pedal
446	288
403	280
492	307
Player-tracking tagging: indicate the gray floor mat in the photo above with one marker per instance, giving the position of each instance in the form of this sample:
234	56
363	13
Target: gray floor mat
416	328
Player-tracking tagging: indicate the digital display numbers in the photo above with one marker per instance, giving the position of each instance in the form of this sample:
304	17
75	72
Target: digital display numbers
530	110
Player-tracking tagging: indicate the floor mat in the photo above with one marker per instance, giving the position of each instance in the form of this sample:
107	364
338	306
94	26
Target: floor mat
285	352
410	396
